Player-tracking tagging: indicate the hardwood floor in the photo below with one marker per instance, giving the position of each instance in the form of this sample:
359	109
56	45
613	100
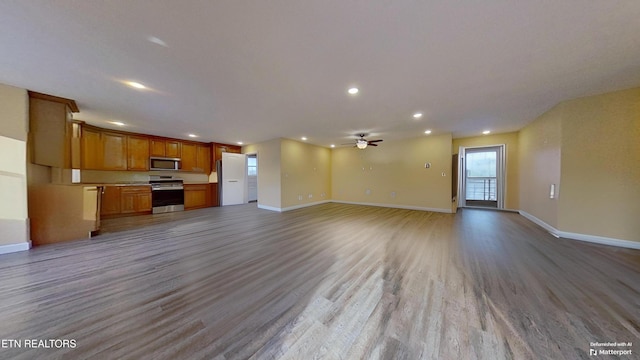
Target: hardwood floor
332	281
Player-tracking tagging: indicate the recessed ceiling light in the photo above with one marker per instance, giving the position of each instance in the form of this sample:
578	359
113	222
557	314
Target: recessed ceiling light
239	143
304	138
193	135
333	145
428	132
417	115
136	85
486	132
119	123
155	40
353	90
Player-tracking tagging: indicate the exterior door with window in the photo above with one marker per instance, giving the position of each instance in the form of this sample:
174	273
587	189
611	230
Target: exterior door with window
482	176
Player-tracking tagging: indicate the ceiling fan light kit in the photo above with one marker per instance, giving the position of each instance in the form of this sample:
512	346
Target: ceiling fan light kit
362	143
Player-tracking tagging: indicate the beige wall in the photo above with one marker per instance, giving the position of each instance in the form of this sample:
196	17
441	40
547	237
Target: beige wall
510	140
306	173
539	157
288	169
14	109
394	174
269	182
600	192
589	148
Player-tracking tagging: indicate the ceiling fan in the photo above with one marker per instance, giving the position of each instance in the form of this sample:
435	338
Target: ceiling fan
362	143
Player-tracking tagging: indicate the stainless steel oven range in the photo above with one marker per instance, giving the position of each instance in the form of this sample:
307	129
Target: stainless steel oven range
167	194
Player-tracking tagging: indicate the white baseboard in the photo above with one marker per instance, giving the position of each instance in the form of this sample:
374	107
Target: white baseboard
270	208
289	208
541	223
305	205
407	207
11	248
582	237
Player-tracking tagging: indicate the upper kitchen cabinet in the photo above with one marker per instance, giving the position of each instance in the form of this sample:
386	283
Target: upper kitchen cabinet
204	158
50	129
196	157
115	151
102	150
166	148
137	153
91	148
218	149
189	157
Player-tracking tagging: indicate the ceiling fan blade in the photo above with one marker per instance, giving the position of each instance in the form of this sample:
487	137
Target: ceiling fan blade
373	141
373	145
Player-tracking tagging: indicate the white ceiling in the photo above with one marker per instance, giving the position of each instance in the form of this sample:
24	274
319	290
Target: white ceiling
257	70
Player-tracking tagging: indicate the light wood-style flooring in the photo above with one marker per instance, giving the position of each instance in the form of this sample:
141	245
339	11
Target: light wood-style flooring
332	281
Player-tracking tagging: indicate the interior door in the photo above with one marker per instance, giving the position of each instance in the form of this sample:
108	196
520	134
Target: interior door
234	179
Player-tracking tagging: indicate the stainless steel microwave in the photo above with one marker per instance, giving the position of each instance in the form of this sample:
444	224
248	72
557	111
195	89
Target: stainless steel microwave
159	163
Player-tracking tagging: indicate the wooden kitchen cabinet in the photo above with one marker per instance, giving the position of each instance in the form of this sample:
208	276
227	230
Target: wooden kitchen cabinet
135	199
50	129
137	153
114	151
196	158
197	196
103	150
91	149
110	201
125	200
166	148
189	157
218	149
173	149
203	159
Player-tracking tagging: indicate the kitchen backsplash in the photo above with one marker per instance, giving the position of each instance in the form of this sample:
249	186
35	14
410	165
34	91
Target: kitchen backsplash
114	177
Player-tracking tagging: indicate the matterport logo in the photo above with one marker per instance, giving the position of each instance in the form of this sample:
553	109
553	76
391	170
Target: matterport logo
611	348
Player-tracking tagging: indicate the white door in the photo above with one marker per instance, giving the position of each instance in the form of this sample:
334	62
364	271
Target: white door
234	179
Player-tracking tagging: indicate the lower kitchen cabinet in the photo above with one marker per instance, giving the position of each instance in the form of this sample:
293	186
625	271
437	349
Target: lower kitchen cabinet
125	200
197	196
135	199
110	201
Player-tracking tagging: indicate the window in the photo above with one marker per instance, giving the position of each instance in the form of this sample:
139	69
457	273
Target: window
252	166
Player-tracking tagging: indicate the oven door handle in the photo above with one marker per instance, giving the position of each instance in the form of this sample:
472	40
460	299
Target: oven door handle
167	189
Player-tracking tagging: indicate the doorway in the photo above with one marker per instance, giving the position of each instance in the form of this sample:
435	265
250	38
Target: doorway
482	177
252	177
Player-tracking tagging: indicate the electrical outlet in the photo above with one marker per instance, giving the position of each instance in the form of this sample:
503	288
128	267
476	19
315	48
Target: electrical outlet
299	197
393	194
367	192
310	196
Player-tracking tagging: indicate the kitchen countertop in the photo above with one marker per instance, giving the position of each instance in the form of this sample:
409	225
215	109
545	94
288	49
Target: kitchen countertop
106	184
